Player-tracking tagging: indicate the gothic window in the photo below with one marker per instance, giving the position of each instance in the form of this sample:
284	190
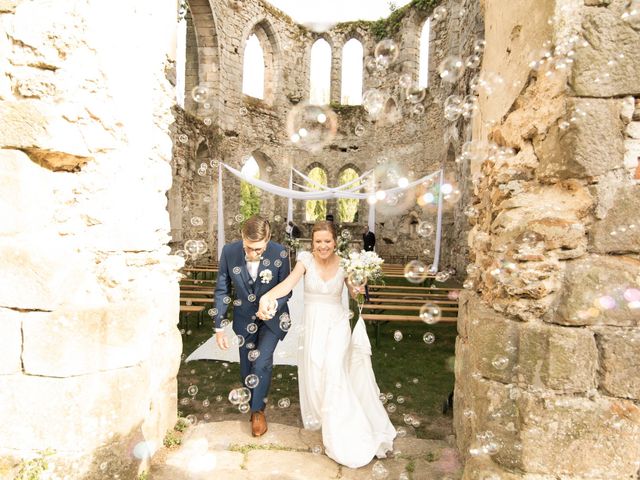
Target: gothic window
348	207
320	73
351	82
316	210
253	68
249	195
423	73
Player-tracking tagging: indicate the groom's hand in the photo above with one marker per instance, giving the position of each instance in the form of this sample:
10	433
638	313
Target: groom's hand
222	340
265	310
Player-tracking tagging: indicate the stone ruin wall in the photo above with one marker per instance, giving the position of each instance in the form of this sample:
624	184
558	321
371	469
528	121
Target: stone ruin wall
547	353
88	291
246	125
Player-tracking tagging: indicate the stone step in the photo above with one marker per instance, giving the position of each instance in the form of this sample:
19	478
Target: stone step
226	450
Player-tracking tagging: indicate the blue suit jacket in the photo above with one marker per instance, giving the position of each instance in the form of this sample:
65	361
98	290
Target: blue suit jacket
232	271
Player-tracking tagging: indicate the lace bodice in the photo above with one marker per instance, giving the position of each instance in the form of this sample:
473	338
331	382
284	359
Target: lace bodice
314	284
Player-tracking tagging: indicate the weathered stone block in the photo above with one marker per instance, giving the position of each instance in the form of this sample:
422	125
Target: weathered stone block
588	284
47	137
619	230
37	274
608	38
77	342
557	358
589	147
633	130
11	335
75	414
631	152
26	197
619	361
597	438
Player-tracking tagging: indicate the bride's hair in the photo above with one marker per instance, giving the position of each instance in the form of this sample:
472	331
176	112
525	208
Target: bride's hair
324	227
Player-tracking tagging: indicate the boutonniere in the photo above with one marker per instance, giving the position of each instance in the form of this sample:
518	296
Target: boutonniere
266	276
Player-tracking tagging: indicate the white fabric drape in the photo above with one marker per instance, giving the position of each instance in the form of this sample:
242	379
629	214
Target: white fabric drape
326	193
221	240
436	253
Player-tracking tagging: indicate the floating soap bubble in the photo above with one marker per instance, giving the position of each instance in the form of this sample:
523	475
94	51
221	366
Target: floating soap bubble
428	338
473	61
240	395
405	80
500	362
453	107
284	403
346	234
359	130
415	271
251	380
386	52
451	68
415	94
373	102
253	355
397	335
237	340
200	93
311	127
631	13
430	313
252	328
470	107
424	229
192	390
379	471
183	138
439	13
479	45
442	276
418	109
197	221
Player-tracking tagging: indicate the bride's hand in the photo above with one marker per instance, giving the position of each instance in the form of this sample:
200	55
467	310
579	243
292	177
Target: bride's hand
266	308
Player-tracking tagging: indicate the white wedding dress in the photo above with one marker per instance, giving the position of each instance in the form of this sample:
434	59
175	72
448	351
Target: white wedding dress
338	390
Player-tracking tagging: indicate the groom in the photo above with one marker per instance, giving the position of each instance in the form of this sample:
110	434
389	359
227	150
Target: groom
252	266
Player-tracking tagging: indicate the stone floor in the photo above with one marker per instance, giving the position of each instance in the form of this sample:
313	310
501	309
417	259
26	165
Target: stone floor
226	450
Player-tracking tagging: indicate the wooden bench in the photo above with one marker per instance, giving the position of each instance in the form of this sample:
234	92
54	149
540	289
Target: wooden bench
186	310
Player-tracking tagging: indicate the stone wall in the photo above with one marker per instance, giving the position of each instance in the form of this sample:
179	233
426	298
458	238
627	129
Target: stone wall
412	143
88	291
546	384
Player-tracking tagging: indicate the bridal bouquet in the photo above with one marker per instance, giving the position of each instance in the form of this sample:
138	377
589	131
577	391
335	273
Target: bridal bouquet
360	269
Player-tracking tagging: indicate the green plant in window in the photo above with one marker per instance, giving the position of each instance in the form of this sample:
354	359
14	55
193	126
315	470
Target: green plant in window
348	207
316	210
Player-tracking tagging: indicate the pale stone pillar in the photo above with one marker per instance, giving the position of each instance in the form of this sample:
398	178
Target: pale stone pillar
547	352
88	291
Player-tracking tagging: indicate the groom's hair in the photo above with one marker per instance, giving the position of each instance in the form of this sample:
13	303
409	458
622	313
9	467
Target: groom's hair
256	228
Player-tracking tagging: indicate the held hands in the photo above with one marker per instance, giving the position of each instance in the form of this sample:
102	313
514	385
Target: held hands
267	309
222	340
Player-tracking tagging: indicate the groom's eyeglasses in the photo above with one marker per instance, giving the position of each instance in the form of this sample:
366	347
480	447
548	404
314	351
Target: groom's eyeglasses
254	250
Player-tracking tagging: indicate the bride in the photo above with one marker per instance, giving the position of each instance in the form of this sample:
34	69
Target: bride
338	390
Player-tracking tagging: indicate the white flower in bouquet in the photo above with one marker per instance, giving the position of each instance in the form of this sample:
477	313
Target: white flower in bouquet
362	265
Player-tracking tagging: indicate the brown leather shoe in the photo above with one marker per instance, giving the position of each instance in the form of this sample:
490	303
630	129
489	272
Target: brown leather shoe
258	424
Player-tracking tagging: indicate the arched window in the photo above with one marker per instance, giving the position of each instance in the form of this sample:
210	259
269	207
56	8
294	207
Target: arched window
423	74
316	209
249	195
253	67
348	207
320	73
352	55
